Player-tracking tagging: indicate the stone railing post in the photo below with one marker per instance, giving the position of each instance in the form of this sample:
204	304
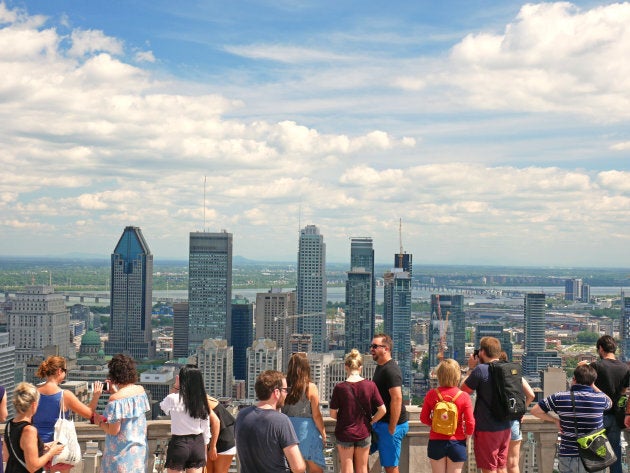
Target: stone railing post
91	457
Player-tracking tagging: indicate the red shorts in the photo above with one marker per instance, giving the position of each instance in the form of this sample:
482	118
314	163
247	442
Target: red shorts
491	449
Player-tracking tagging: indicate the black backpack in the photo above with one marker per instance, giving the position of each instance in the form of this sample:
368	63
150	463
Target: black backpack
508	399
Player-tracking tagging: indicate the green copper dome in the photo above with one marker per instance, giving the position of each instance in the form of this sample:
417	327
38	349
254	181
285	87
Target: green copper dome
91	338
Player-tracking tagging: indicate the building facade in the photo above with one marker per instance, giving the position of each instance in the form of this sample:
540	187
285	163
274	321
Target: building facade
311	287
180	330
397	318
535	357
624	325
276	319
209	288
131	297
263	355
360	296
242	335
215	361
7	369
39	323
447	329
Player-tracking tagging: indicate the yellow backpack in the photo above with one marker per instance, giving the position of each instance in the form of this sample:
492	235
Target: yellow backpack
445	415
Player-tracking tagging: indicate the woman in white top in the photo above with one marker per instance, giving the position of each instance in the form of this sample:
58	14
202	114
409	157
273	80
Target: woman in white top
190	422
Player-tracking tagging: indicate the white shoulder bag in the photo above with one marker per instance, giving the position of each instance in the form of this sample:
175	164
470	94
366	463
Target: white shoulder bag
66	434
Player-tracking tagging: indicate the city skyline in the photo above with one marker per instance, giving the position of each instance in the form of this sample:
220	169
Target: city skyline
500	128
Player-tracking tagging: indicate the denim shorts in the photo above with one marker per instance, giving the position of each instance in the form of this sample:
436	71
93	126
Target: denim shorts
455	450
516	433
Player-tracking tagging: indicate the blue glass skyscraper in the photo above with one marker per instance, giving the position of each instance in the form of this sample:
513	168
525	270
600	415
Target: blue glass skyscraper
360	296
131	297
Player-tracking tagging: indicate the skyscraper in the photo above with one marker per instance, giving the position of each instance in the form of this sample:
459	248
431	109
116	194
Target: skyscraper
242	335
215	361
360	323
209	288
573	289
397	318
7	368
360	296
447	329
311	287
39	320
131	297
535	357
276	319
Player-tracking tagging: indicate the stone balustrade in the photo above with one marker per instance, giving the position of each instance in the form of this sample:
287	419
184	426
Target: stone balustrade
413	456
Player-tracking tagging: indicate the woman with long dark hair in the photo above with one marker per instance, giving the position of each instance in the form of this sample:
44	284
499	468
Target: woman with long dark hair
190	426
302	407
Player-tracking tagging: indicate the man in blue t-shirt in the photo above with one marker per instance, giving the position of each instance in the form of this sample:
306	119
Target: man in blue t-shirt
590	404
265	438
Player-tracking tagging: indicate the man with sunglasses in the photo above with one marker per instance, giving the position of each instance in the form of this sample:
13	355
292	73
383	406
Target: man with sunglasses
393	427
265	439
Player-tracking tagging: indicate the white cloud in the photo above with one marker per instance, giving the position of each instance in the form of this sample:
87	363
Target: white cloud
92	41
281	53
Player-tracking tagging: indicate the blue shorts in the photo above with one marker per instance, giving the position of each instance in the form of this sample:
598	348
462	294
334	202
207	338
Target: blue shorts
311	445
389	445
516	433
455	450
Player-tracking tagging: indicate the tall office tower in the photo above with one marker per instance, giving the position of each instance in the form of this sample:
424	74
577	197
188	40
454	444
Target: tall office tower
624	324
360	296
447	330
311	287
360	323
276	319
263	355
535	357
586	293
573	289
7	369
131	297
496	331
242	334
180	330
209	288
215	361
39	322
397	318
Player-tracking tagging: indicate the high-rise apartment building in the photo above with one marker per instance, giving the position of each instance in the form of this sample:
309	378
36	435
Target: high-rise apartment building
131	297
535	357
497	331
311	287
397	318
276	319
242	334
447	329
39	322
360	296
624	325
263	355
215	361
209	288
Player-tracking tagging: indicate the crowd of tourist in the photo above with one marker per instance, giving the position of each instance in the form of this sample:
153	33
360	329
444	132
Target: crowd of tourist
284	431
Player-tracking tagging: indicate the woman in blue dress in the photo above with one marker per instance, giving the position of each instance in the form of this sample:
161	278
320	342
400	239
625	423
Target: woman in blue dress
124	420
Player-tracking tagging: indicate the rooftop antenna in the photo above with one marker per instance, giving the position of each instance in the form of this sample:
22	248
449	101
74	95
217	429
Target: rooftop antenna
400	235
204	203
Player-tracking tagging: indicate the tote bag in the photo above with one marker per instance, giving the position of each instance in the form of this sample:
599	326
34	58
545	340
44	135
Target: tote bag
66	434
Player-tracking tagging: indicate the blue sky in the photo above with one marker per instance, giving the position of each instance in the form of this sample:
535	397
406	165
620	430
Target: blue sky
497	131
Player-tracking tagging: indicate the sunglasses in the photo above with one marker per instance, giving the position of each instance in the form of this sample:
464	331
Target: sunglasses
374	346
